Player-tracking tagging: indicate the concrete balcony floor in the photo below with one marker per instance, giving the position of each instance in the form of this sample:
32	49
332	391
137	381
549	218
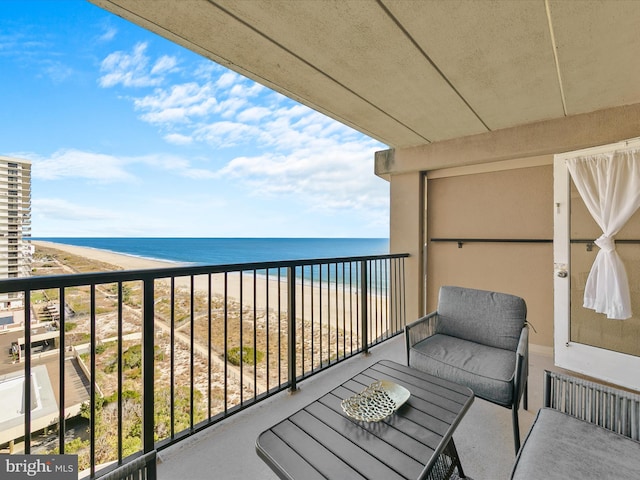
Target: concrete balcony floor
484	438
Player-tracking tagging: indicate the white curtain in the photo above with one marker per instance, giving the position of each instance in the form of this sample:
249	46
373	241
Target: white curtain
609	184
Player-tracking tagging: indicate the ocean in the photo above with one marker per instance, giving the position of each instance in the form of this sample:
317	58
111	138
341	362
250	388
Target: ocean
221	251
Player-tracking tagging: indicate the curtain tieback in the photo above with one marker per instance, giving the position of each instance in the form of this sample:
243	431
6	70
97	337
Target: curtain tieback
606	243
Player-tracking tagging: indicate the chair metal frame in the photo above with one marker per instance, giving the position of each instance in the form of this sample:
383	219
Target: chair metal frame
427	326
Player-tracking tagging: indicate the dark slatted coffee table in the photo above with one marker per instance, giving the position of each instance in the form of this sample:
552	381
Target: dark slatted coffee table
322	442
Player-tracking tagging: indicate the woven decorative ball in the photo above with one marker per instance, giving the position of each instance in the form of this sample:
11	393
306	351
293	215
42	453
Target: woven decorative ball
375	402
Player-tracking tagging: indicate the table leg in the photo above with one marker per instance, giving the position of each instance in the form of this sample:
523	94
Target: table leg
456	458
446	464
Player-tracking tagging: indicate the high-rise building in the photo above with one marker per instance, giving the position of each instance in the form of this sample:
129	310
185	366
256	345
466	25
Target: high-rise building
15	224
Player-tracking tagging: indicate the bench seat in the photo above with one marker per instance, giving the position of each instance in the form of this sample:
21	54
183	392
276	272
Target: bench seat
560	446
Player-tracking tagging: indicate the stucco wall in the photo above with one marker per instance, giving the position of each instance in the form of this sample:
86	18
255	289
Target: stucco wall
514	204
510	204
407	197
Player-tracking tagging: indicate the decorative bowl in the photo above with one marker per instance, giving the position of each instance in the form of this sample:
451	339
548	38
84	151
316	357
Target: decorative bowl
376	402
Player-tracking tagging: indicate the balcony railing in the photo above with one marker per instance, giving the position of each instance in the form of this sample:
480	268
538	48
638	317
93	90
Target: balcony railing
123	363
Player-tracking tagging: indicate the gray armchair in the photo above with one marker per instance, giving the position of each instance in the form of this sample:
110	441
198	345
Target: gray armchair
479	339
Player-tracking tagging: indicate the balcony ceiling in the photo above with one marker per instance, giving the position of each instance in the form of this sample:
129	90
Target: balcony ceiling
411	72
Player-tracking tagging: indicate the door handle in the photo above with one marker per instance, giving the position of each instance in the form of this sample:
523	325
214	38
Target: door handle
562	273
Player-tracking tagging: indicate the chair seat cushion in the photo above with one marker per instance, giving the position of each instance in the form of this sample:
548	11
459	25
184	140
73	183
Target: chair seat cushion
488	371
560	446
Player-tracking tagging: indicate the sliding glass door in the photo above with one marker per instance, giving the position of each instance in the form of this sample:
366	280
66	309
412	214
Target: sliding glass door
586	341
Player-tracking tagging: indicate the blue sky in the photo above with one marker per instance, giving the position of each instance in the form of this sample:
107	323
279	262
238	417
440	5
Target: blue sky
131	135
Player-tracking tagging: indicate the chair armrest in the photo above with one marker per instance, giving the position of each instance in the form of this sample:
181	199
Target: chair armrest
612	408
522	366
523	342
419	330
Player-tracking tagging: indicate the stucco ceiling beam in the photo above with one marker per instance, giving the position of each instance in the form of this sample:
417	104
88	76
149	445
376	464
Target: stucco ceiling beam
541	138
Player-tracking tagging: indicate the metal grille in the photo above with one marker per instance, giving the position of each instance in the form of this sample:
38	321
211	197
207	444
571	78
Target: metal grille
611	408
157	355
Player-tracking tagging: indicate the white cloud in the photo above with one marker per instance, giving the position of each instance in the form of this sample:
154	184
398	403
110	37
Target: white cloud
208	109
295	111
162	161
103	168
109	34
199	174
178	139
17	43
164	64
299	128
333	177
323	164
245	89
58	72
229	107
60	209
205	70
199	113
132	69
227	79
177	104
56	217
253	114
226	134
79	164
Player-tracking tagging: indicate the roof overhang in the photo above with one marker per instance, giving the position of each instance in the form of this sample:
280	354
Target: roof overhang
411	73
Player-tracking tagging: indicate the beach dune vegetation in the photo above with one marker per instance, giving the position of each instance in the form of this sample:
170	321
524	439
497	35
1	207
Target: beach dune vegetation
248	354
194	325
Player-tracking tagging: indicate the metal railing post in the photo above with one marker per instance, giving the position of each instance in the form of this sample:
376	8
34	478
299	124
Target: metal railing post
291	327
93	394
148	330
61	368
28	392
364	306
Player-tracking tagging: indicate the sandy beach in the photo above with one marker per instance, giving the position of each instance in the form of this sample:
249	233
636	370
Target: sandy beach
328	317
130	262
327	307
126	262
198	331
262	291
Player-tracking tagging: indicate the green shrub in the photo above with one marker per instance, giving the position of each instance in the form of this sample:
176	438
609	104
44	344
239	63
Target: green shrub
126	291
247	355
126	395
132	357
75	445
112	366
38	296
83	337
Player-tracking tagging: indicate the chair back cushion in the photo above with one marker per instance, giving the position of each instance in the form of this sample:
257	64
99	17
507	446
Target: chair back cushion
490	318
